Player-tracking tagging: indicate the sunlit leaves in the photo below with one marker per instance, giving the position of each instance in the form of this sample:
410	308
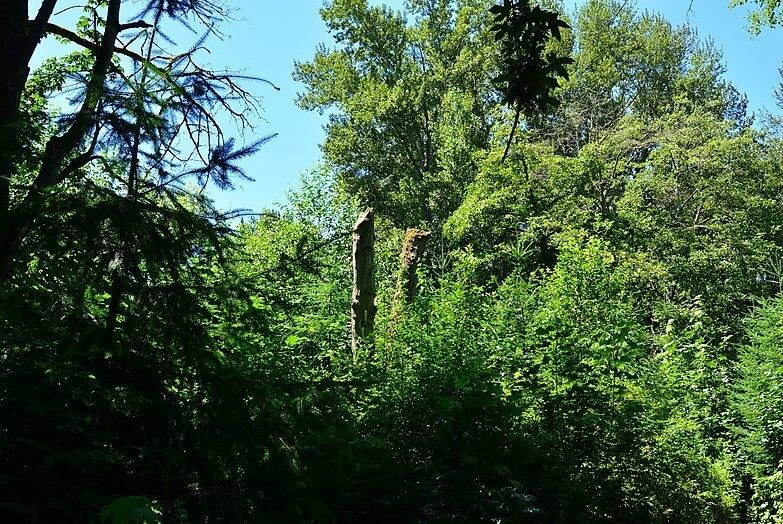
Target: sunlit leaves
767	14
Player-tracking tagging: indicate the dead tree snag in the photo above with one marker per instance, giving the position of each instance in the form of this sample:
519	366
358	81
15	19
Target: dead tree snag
363	298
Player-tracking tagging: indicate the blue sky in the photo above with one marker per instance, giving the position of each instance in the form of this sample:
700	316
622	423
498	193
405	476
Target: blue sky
270	35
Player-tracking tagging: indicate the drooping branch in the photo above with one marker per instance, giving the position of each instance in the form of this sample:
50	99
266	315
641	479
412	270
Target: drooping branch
511	134
528	73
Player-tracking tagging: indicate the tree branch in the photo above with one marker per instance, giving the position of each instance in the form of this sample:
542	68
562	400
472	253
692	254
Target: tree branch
37	29
92	46
511	134
58	147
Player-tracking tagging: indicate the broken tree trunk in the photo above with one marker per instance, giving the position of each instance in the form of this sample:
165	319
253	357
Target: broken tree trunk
363	299
412	249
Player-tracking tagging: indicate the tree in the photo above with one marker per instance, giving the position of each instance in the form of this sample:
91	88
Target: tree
575	167
139	110
628	62
112	316
757	403
410	102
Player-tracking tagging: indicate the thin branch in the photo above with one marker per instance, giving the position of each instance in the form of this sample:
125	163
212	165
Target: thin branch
511	134
138	24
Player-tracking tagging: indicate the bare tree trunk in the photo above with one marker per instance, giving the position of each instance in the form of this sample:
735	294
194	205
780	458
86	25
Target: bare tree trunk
412	249
363	299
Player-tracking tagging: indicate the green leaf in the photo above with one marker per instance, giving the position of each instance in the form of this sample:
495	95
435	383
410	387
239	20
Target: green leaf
131	510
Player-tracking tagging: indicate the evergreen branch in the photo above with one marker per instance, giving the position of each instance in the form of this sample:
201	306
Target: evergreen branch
58	147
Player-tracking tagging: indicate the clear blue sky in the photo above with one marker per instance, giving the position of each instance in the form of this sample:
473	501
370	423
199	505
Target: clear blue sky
270	35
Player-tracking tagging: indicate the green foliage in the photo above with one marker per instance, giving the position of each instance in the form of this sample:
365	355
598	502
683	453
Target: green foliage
438	421
757	402
582	371
627	62
767	14
592	279
131	510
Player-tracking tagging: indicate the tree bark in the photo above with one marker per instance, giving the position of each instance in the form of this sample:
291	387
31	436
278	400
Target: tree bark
363	298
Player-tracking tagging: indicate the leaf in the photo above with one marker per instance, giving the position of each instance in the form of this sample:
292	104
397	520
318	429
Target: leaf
131	510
